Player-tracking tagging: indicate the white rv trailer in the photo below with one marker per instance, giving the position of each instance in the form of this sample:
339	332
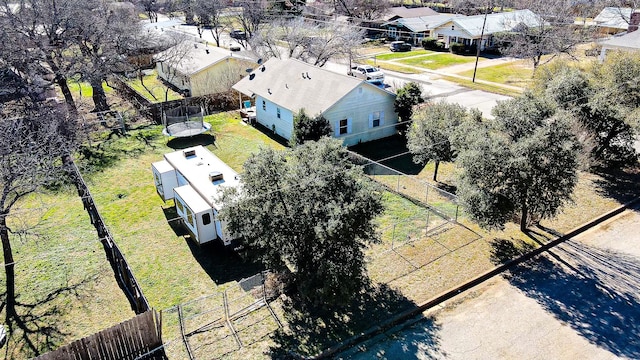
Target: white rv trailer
194	178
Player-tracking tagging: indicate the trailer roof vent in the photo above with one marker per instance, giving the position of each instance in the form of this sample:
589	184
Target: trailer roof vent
189	153
215	176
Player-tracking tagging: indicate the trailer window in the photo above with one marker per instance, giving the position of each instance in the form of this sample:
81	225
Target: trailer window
206	219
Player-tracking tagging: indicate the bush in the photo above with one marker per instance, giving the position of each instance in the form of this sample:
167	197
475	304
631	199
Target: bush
430	43
457	48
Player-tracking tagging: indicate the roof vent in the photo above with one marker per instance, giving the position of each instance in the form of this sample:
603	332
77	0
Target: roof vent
215	176
189	153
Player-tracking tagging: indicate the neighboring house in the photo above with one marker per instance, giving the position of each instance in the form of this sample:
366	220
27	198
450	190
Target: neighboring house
627	42
468	30
613	20
357	110
399	12
415	29
194	178
199	69
393	14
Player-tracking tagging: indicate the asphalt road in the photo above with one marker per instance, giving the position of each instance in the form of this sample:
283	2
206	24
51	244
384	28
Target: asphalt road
582	301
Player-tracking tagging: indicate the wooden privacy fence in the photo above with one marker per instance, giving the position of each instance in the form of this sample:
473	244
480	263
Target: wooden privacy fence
137	338
121	269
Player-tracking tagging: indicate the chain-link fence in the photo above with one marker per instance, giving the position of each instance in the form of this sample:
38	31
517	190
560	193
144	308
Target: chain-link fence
216	325
442	202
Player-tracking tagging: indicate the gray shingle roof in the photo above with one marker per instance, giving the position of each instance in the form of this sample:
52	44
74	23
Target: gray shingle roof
498	22
629	41
294	84
403	12
423	23
614	17
198	59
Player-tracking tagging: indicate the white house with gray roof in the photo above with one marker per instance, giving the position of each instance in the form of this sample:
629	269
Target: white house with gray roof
416	28
626	42
613	20
468	30
357	110
200	69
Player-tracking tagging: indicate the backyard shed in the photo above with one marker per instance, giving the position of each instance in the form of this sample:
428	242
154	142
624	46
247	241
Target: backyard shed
195	185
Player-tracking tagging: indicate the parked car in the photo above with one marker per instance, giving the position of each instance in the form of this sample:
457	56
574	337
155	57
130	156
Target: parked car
235	47
367	72
399	46
238	34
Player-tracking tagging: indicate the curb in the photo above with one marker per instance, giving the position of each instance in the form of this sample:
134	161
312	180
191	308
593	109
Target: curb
452	292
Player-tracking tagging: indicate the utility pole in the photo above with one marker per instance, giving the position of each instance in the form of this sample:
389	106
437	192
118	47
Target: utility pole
484	22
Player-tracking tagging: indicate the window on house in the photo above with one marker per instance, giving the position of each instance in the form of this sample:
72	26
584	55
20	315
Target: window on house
179	207
206	219
189	217
278	112
453	27
264	105
375	120
344	126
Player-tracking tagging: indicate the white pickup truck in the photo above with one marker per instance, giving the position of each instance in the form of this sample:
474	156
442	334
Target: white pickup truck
367	72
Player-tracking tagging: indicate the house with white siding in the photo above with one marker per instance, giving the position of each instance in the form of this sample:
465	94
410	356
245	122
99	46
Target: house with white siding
357	110
474	30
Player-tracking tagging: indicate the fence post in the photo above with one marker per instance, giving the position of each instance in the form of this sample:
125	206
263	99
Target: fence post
457	207
426	195
393	236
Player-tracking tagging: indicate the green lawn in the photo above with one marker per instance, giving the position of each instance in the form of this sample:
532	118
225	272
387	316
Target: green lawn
517	73
83	89
402	55
153	89
496	89
437	61
394	67
64	282
172	270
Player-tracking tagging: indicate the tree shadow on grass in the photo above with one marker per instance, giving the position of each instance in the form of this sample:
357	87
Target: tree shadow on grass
503	250
597	294
221	263
185	142
38	327
312	330
619	184
392	148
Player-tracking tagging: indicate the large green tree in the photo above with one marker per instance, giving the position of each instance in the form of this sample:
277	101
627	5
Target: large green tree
307	128
309	210
522	164
604	101
407	97
431	135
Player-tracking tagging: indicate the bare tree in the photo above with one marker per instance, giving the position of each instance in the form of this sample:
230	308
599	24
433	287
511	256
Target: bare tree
103	38
209	14
362	9
552	36
171	59
150	7
253	13
36	35
30	152
314	44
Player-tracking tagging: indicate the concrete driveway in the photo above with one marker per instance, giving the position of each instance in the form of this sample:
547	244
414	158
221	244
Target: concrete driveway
582	301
